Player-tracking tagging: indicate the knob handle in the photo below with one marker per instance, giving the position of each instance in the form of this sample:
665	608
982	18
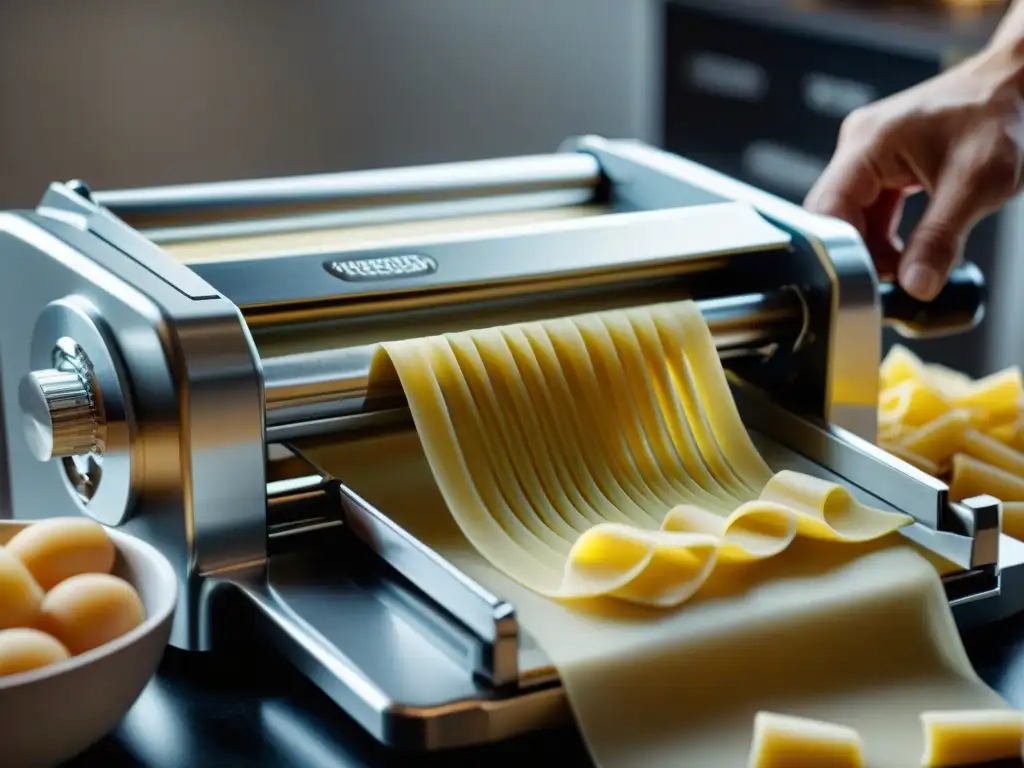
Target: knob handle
59	414
960	306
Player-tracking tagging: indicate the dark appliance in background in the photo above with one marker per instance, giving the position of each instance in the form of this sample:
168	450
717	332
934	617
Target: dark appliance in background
758	89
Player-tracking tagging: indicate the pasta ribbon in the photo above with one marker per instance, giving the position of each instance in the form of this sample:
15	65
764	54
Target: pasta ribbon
603	456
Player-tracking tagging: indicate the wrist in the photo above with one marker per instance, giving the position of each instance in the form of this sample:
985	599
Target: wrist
1001	63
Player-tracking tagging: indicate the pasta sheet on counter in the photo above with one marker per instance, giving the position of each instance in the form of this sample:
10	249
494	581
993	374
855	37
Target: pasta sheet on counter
594	472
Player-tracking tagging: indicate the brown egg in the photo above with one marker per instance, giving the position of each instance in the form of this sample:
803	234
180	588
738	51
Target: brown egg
56	549
90	609
20	595
24	649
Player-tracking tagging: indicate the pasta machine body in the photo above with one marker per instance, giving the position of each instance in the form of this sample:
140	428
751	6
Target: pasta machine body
164	350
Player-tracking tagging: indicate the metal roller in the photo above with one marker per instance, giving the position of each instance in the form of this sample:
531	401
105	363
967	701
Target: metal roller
563	178
305	390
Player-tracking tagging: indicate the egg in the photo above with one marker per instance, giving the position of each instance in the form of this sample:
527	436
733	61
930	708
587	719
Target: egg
61	547
90	609
20	595
25	649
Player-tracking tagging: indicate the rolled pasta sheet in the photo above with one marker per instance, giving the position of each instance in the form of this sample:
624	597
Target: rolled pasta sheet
938	440
991	451
828	511
754	531
998	393
900	365
892	433
1008	433
783	741
911	403
971	477
655	568
1013	519
590	469
949	383
975	737
666	688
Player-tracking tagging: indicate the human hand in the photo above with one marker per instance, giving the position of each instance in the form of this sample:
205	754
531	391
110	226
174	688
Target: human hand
959	137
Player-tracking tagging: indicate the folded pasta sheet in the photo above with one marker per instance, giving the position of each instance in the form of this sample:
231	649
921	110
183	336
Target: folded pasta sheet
594	472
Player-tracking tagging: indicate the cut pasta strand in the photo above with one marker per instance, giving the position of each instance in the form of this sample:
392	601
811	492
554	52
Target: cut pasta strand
782	741
966	738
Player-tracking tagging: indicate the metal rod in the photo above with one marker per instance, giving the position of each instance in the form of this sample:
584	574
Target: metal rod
333	383
354	189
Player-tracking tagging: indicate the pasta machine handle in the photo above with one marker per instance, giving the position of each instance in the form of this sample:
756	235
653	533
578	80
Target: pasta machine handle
958	308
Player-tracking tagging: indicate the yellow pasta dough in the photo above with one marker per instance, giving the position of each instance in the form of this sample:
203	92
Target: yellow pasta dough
938	440
562	544
782	741
964	738
971	477
594	472
976	444
911	403
991	451
682	687
1013	519
999	393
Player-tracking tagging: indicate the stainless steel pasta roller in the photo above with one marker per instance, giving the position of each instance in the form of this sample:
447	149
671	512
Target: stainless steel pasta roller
214	325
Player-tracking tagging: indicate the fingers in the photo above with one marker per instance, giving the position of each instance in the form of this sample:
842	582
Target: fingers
847	187
937	241
850	189
881	222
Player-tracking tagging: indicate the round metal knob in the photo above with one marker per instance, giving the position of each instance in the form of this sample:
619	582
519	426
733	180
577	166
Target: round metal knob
59	412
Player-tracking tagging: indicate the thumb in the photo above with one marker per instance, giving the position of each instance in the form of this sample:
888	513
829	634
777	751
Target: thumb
937	241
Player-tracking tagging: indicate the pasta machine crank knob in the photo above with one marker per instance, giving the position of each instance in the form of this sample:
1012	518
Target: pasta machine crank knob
959	307
60	407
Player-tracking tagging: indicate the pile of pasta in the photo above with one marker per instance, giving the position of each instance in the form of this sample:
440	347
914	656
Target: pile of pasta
969	433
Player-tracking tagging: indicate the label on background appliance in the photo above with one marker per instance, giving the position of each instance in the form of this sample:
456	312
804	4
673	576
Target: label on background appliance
834	96
787	170
726	76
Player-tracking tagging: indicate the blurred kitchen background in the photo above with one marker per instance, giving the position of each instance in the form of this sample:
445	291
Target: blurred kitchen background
124	93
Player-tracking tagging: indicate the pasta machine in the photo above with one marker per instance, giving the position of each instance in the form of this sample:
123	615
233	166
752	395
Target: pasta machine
163	348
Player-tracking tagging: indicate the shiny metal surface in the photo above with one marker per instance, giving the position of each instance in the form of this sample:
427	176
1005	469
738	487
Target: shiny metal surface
528	259
181	240
60	408
489	618
332	195
413	687
102	480
192	416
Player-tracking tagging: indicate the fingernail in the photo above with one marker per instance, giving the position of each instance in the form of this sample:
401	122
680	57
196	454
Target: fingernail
921	282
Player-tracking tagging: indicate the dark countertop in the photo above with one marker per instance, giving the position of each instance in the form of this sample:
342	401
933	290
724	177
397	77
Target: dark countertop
253	710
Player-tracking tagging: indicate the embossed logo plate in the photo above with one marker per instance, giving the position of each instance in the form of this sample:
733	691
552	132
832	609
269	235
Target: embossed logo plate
361	270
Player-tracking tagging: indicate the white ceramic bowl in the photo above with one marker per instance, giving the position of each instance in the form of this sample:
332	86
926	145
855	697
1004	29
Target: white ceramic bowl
49	715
